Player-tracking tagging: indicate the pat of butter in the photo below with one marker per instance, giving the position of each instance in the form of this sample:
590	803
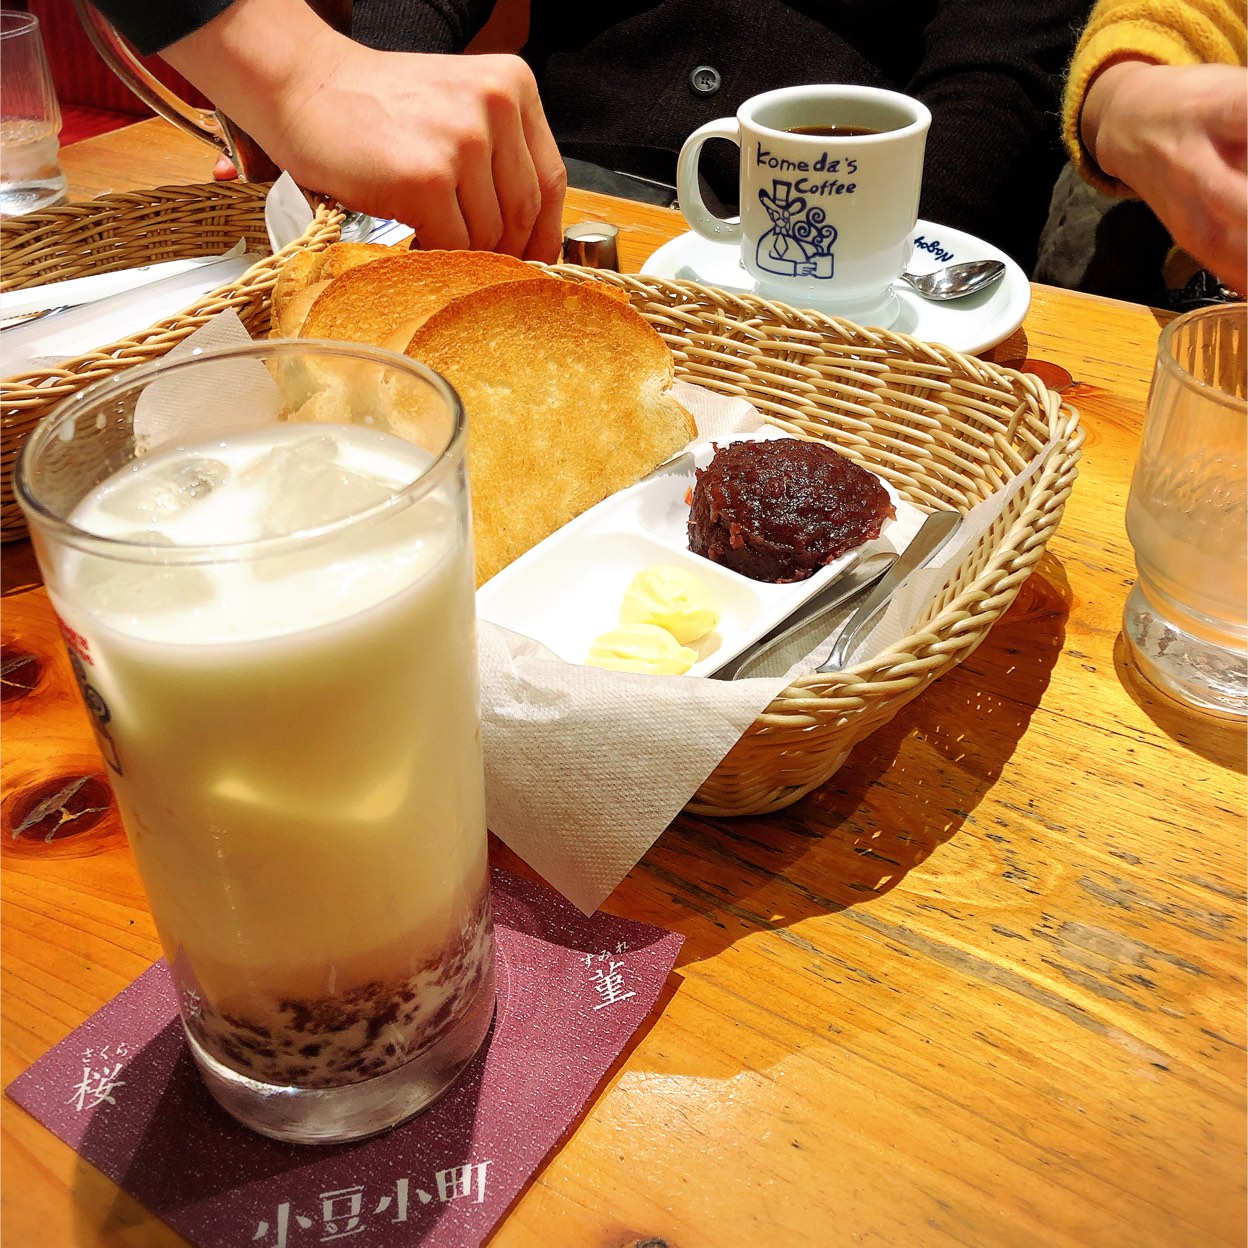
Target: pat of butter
641	648
672	598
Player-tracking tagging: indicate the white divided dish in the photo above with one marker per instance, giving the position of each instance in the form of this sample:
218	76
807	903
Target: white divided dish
567	590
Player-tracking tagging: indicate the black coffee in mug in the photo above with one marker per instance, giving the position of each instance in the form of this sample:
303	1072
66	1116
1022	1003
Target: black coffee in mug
837	132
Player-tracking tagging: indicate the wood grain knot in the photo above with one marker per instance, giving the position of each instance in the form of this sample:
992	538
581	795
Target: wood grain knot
57	809
20	672
1054	376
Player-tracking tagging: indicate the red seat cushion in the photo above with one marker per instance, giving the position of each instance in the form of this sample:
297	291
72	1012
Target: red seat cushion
80	122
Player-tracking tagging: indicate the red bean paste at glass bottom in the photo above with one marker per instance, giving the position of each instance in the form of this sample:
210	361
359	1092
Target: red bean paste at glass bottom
355	1033
779	510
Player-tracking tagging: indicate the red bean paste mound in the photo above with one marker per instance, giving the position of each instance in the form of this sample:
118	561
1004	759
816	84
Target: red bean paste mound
780	510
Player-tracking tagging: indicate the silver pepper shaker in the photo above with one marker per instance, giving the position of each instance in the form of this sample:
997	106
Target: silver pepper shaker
591	244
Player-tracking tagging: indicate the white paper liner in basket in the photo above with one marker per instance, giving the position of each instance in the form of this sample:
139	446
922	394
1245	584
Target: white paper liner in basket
585	768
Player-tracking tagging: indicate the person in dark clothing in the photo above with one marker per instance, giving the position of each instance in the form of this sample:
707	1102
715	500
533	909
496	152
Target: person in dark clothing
625	83
457	147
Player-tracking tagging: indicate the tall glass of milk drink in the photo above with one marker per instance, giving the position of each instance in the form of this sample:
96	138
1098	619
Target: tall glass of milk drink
1186	619
261	561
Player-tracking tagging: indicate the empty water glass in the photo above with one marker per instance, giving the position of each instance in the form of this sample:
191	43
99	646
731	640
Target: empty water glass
30	120
1186	620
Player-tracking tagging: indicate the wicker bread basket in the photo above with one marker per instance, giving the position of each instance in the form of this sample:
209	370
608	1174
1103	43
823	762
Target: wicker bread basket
946	429
119	232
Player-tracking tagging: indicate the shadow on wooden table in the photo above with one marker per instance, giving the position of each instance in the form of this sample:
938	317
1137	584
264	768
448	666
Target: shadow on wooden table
20	571
903	792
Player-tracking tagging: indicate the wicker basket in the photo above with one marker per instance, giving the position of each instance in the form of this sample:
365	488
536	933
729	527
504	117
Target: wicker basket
118	232
946	429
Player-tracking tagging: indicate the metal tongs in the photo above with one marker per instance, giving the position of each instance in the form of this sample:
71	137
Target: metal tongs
881	573
934	532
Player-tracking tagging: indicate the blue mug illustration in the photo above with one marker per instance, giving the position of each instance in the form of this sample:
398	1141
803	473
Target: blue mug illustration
800	240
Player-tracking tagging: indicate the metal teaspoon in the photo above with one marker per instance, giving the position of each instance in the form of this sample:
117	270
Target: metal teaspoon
955	281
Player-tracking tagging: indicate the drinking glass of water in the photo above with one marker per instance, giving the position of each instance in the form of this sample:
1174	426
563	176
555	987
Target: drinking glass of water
30	120
261	560
1186	619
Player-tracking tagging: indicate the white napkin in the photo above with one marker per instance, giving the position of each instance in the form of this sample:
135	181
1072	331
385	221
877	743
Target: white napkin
242	395
112	306
585	768
287	212
50	341
79	290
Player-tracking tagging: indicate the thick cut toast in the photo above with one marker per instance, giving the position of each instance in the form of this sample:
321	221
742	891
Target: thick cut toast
385	301
307	273
566	391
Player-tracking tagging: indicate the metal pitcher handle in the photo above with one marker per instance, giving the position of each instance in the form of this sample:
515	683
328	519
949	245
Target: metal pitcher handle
209	125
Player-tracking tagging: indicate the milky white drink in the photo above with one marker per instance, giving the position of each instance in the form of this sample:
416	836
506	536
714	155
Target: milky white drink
296	747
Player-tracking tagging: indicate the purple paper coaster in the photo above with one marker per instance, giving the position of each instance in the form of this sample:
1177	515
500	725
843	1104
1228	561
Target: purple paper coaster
123	1091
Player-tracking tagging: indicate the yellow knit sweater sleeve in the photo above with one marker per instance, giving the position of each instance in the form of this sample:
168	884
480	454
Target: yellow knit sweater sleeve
1170	32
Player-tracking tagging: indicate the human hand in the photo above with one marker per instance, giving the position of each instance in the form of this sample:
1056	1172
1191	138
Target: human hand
1177	135
457	147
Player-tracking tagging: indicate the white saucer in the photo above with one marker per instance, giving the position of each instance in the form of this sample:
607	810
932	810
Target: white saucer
968	325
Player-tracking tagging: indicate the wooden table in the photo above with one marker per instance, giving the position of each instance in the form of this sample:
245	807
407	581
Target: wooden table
986	987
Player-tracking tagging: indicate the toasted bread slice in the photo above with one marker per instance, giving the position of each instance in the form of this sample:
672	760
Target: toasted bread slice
340	258
307	273
567	393
290	313
383	303
293	280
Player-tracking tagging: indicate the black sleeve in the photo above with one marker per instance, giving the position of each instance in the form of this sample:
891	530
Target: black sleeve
991	72
418	25
154	24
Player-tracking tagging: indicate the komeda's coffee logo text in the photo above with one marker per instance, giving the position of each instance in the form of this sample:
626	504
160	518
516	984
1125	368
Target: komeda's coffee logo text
800	241
832	172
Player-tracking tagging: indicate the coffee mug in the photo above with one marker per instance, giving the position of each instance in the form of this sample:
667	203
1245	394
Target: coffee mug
829	194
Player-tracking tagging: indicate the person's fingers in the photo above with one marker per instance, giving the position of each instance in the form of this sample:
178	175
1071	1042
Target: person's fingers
519	195
481	195
430	206
460	150
521	138
479	207
224	170
1218	243
1213	205
546	235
